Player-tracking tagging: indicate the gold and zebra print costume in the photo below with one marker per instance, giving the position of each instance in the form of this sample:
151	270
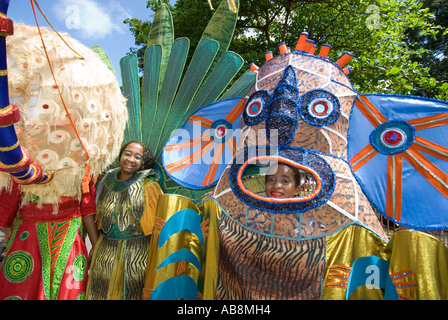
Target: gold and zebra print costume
125	213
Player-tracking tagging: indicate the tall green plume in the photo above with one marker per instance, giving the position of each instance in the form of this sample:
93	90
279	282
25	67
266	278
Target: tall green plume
221	28
131	90
162	33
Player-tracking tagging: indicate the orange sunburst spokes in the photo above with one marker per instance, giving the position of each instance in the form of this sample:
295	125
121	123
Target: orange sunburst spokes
235	113
195	156
190	144
202	121
427	169
370	111
214	165
399	146
394	186
431	148
362	157
430	121
199	151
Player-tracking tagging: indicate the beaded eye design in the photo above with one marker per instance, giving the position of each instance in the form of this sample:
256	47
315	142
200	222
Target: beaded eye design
256	107
319	107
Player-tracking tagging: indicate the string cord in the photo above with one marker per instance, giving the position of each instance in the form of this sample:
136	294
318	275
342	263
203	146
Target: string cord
86	178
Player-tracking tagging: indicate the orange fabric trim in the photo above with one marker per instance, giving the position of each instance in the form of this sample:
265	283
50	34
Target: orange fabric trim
192	143
185	162
214	165
429	172
279	200
203	121
204	227
404	297
158	225
236	111
231	143
369	111
394	177
337	276
362	157
341	268
426	148
430	121
403	273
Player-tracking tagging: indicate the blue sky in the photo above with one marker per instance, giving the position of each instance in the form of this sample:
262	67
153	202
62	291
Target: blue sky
92	22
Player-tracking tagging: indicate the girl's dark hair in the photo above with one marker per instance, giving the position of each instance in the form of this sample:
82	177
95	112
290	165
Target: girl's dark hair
296	173
148	161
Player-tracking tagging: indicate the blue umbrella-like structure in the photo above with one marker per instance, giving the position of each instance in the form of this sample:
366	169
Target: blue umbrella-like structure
398	151
199	151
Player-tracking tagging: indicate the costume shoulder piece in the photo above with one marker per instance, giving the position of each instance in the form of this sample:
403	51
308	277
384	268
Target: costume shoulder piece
111	181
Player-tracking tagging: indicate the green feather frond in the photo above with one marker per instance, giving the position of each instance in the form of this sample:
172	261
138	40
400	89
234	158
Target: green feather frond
150	90
221	28
168	91
162	33
103	56
131	91
216	83
241	86
200	63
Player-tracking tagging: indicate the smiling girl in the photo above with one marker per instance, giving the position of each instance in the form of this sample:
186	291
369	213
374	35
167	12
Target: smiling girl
282	181
125	218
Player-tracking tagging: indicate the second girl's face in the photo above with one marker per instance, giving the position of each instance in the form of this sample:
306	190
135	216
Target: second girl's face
280	182
131	160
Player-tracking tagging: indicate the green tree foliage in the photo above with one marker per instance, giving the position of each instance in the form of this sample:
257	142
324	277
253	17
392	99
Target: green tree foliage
435	56
386	37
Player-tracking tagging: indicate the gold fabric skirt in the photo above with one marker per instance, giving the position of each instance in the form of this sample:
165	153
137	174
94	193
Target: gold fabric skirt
118	269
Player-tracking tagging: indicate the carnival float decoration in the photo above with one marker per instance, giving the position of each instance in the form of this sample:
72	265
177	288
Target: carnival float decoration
217	235
227	240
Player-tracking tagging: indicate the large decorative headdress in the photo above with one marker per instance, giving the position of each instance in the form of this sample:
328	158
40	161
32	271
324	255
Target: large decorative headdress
72	113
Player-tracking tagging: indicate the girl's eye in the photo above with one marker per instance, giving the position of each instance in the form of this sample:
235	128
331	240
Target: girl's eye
128	154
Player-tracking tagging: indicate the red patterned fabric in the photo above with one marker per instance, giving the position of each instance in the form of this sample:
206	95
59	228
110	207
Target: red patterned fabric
46	257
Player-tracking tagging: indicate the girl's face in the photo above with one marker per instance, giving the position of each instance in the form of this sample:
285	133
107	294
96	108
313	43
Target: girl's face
280	182
131	160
